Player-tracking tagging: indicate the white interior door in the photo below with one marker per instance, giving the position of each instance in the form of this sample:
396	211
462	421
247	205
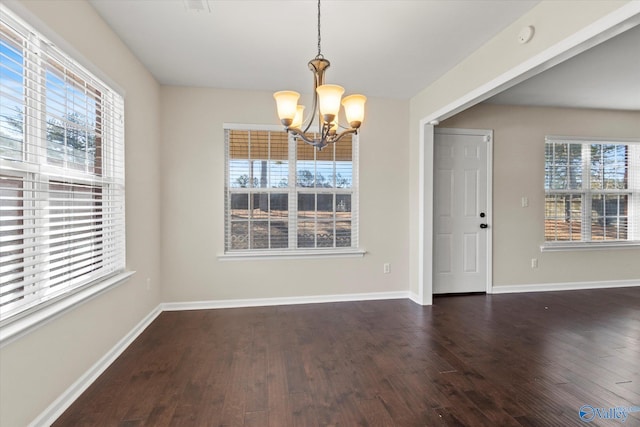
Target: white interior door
462	227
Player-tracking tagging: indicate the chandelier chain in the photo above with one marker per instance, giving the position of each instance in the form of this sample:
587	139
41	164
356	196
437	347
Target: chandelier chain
319	50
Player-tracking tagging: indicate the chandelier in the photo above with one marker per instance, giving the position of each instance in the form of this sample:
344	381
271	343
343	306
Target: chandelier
326	103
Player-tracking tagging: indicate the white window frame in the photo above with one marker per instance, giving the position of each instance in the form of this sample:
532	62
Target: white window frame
633	230
293	190
91	275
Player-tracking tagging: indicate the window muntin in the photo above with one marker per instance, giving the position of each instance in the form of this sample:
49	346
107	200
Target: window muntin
61	174
592	191
284	195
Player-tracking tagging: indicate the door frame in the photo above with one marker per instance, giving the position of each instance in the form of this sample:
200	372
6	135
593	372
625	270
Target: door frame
603	29
488	138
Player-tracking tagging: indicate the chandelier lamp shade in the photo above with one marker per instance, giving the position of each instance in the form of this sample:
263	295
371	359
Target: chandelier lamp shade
327	99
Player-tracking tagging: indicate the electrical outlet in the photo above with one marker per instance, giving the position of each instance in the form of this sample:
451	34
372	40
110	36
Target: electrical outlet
534	262
525	202
386	268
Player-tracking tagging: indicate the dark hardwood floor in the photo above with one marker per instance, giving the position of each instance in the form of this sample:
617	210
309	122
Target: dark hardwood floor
495	360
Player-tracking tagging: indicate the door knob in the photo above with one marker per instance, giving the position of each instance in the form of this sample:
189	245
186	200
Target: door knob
484	226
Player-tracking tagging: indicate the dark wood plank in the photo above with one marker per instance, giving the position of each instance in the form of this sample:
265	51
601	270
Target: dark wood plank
475	360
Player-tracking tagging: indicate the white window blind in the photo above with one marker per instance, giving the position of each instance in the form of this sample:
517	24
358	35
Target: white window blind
592	190
61	173
284	195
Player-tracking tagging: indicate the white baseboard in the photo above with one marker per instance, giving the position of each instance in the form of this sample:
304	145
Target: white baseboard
49	415
568	286
415	298
264	302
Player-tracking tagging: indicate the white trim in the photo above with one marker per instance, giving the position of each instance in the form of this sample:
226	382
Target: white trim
266	302
618	21
263	255
588	139
588	246
415	298
588	194
568	286
464	131
64	401
293	190
16	329
241	126
488	139
37	299
49	415
425	217
489	213
17	8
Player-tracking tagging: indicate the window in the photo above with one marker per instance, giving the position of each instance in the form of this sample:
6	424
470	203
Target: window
61	174
592	191
284	195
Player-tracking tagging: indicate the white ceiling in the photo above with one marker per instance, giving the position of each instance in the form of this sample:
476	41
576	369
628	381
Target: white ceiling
383	48
606	76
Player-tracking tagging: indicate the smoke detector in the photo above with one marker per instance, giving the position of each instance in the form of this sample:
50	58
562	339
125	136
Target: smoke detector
197	5
525	34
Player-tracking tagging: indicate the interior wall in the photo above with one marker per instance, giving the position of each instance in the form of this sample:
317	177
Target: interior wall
37	368
189	216
193	204
555	22
518	171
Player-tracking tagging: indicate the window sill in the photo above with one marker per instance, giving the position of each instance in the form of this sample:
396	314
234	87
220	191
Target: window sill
584	246
14	329
319	253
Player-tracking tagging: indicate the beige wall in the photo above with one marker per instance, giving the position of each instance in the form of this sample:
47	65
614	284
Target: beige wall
518	171
38	368
188	214
554	22
193	210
